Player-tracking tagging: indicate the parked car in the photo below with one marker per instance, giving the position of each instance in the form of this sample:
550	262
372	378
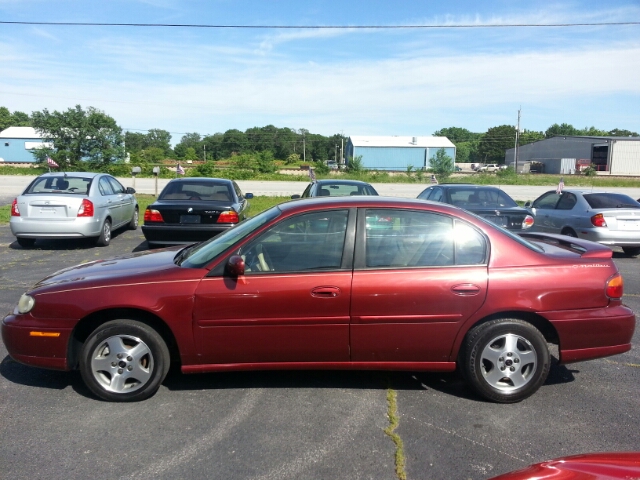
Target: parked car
489	167
194	209
609	218
591	466
73	205
334	283
332	165
336	188
488	202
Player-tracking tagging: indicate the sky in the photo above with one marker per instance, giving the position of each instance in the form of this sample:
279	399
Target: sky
352	80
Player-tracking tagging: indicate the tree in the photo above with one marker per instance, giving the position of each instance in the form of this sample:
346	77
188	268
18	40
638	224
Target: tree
265	162
160	139
493	144
457	134
233	142
135	142
15	119
441	163
616	132
556	130
189	140
78	135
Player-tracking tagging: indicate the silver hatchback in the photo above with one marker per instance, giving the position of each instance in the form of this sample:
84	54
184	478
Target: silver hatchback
73	205
608	218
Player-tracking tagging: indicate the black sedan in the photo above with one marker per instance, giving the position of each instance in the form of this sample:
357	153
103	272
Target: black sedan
490	203
336	188
194	209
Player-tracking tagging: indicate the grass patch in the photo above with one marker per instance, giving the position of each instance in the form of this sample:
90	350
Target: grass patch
392	413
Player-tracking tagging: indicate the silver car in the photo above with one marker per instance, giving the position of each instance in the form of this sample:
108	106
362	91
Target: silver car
609	218
73	205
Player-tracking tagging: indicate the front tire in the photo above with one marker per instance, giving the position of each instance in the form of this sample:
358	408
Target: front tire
105	234
124	361
505	360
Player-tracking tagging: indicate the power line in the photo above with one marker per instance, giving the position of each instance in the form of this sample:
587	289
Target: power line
326	27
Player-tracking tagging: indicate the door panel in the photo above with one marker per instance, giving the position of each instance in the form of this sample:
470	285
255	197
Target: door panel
292	304
418	277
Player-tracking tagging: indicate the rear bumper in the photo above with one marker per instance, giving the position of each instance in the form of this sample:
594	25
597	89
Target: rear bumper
182	234
67	228
593	333
617	238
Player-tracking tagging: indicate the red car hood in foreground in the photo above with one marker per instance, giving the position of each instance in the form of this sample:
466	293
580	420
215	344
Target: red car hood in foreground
592	466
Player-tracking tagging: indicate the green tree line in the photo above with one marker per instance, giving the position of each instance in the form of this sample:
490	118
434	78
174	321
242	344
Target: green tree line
91	135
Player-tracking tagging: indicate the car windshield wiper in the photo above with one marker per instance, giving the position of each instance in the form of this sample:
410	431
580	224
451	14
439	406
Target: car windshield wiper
182	254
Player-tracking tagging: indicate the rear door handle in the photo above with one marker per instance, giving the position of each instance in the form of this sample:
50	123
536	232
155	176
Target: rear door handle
325	292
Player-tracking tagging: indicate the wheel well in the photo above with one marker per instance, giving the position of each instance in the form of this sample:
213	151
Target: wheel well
568	229
88	324
545	326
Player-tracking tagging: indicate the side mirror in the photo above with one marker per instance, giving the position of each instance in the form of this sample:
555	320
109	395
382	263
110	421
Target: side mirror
295	196
235	266
131	190
528	204
248	196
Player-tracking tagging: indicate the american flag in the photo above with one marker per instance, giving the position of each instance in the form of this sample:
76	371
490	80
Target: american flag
434	180
312	174
180	170
560	186
51	162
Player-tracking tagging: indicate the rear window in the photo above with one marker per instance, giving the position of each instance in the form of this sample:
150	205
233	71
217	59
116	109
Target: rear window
610	200
342	190
208	191
60	185
481	197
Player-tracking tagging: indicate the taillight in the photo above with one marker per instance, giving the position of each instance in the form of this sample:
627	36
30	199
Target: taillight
86	209
14	208
527	222
598	220
615	287
228	217
151	215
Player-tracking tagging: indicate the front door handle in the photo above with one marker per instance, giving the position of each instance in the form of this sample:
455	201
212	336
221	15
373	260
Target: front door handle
325	292
465	289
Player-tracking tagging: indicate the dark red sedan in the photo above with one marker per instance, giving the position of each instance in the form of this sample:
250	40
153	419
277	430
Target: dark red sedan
337	283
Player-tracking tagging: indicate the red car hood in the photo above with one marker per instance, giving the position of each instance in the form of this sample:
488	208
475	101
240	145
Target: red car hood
594	466
126	266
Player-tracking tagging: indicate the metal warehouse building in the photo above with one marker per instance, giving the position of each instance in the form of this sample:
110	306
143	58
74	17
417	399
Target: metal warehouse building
567	154
397	153
17	143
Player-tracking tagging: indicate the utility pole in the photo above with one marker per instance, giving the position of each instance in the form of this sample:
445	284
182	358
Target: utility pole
515	148
304	149
204	146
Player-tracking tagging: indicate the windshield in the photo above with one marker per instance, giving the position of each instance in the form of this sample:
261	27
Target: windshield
610	200
202	253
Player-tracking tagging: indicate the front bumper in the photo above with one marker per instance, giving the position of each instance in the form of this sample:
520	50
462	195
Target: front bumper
31	344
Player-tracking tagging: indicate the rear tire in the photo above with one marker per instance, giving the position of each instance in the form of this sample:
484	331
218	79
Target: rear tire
26	242
569	233
105	235
631	251
124	361
505	360
133	224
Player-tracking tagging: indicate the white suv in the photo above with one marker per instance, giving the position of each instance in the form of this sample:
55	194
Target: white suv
490	167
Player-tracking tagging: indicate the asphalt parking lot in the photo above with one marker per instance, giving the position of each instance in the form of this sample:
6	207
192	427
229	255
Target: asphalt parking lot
292	425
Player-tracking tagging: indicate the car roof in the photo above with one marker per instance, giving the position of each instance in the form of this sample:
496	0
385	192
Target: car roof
466	186
369	201
72	174
341	182
200	179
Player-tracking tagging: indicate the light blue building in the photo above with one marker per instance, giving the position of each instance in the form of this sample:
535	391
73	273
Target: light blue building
397	153
17	143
